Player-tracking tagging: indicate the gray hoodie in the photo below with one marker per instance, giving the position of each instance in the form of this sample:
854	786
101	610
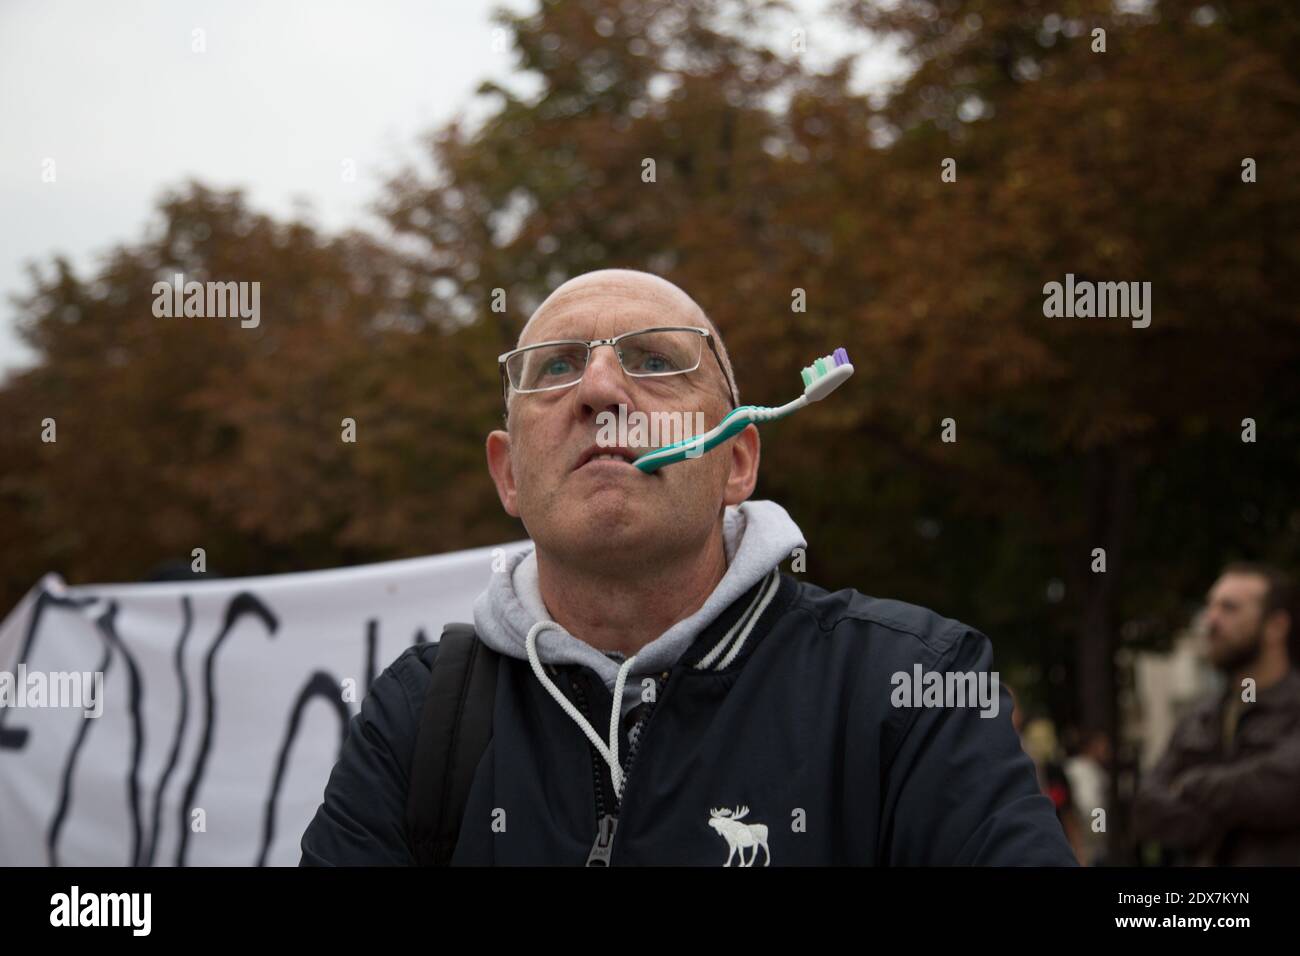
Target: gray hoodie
758	536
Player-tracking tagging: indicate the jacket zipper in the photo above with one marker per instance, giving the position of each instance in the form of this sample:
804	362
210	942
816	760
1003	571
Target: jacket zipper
602	850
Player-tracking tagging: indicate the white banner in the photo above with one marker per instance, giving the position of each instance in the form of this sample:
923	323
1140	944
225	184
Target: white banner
223	706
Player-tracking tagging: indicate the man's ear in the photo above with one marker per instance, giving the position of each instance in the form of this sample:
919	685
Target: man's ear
503	475
744	467
1278	626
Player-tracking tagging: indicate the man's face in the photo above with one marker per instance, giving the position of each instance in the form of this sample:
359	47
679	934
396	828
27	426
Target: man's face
608	514
1234	620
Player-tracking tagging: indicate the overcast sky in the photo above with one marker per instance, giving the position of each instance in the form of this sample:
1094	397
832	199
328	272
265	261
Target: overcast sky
284	92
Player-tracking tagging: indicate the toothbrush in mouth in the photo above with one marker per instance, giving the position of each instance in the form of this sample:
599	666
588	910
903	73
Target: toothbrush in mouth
819	379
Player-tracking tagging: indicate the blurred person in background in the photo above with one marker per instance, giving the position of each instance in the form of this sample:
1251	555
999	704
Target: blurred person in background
1038	738
1227	790
1089	781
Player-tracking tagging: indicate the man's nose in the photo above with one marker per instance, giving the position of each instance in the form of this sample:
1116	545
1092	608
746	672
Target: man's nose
604	383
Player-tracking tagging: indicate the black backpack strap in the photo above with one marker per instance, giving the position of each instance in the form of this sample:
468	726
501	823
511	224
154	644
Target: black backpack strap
455	727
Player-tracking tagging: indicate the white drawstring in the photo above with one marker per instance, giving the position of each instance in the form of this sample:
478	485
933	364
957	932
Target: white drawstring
608	751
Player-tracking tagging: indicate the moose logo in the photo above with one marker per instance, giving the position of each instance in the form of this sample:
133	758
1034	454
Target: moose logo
739	835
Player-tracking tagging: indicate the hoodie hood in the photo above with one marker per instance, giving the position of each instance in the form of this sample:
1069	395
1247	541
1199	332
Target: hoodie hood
757	536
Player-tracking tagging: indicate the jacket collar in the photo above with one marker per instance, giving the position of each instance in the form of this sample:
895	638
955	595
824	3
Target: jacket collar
727	643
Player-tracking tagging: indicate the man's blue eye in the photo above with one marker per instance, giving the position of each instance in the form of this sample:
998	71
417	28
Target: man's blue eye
651	362
557	366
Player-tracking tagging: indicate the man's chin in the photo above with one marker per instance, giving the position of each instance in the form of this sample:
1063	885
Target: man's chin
598	519
1231	660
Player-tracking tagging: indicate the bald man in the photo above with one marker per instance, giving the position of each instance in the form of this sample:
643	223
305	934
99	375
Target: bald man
645	685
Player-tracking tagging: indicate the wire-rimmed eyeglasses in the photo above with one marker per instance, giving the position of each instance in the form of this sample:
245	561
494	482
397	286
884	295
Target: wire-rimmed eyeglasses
645	353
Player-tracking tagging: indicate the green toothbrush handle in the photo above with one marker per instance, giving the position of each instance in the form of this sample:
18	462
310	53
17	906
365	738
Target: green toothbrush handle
735	422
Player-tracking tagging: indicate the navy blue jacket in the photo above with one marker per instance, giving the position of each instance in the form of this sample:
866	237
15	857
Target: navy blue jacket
795	753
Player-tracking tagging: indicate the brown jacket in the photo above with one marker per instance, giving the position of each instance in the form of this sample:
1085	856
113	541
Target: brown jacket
1235	803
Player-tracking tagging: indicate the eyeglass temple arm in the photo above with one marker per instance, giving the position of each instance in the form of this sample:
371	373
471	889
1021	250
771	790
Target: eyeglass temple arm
723	369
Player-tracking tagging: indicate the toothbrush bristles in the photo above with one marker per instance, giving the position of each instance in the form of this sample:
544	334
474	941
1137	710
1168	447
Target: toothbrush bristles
824	365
